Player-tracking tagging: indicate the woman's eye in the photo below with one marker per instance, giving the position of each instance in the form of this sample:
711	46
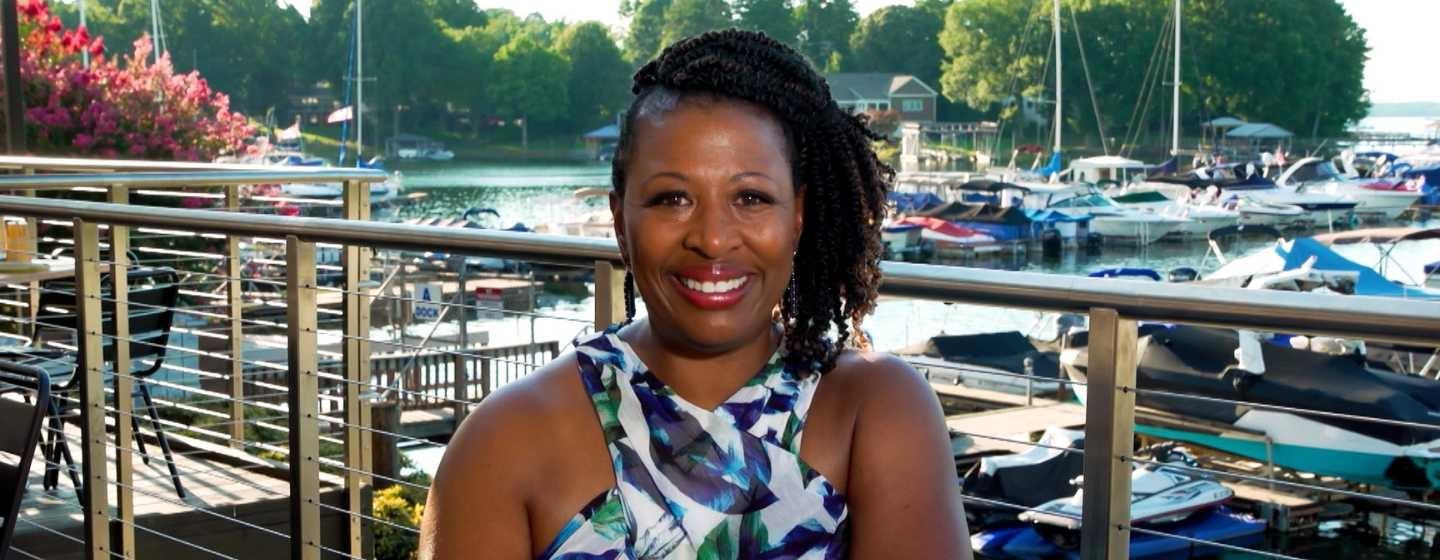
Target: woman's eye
755	198
673	198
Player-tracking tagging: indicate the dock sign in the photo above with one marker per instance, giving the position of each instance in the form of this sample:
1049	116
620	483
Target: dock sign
428	299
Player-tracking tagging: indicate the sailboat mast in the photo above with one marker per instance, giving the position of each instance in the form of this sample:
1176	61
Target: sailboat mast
359	81
1175	104
1055	22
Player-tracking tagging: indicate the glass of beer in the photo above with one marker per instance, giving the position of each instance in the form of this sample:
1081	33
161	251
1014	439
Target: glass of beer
17	240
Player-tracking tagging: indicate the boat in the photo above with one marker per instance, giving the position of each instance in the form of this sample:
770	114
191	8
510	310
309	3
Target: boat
1202	361
1003	361
1160	492
1202	218
902	241
1167	496
1384	198
1110	219
1246	179
947	236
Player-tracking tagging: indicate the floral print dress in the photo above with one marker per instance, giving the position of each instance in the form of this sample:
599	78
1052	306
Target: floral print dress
695	483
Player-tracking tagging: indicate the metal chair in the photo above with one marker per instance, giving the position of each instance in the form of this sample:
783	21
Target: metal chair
152	298
20	425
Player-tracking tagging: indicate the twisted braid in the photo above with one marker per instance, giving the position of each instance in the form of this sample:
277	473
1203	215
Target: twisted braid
837	273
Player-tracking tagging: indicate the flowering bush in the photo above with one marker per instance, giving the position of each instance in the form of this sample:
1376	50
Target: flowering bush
116	108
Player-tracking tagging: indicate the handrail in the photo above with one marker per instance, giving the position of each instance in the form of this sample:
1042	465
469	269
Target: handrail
48	164
1372	318
242	176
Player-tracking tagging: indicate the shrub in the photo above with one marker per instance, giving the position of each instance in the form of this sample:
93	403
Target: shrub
116	108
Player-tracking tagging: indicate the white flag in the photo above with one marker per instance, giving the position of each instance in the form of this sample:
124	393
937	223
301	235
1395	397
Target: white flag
340	115
292	133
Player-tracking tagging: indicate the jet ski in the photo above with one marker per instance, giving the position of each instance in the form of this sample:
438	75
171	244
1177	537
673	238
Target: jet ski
1159	493
1002	361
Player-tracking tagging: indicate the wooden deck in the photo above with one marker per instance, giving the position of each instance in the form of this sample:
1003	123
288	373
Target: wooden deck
219	482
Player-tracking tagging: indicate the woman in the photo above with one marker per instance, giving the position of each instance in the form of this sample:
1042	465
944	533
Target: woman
747	208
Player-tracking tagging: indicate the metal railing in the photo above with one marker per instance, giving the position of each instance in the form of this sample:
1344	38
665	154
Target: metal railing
1112	307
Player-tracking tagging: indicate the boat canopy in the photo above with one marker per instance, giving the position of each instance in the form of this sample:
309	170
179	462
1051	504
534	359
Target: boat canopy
1259	131
1369	283
914	202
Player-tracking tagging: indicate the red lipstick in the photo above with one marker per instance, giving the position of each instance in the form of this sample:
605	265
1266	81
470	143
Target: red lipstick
712	287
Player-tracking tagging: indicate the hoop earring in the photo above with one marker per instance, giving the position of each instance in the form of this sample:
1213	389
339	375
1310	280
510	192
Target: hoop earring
629	297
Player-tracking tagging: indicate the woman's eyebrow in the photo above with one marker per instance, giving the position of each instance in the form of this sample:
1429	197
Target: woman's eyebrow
665	174
748	174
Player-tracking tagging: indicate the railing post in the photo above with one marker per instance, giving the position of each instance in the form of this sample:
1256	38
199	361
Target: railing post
356	353
235	298
484	378
124	385
93	495
609	294
1109	436
460	384
303	394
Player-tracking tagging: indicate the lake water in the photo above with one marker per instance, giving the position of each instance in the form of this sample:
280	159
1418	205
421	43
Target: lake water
534	194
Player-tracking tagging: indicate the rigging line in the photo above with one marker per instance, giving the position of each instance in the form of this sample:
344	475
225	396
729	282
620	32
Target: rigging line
1085	65
1013	84
1154	85
1145	88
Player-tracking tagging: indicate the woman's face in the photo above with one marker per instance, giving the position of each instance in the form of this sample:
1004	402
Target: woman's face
709	221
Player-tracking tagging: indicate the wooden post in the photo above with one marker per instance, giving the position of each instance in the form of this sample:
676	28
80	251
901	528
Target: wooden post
460	383
1109	436
609	294
235	297
356	352
386	417
124	384
94	497
303	394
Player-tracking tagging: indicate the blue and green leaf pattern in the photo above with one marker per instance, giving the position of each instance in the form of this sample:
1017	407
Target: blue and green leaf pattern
696	483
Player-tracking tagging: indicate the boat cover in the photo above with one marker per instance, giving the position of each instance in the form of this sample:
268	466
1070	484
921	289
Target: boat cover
911	203
1370	283
1199	360
1003	350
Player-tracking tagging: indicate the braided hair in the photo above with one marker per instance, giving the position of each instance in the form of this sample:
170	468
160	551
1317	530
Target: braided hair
836	271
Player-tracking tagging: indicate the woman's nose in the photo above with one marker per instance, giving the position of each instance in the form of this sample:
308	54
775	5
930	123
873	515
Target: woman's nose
713	231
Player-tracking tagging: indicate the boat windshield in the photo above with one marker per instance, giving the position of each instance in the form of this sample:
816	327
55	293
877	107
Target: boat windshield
1085	201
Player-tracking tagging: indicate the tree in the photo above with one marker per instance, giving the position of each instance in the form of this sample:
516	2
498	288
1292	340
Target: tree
529	81
129	107
646	26
597	84
992	47
825	29
688	18
775	18
898	39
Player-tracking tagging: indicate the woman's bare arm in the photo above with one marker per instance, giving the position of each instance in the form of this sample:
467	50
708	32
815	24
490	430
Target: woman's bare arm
476	507
903	493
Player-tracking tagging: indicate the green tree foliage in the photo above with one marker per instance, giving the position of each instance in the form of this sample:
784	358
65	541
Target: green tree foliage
529	81
825	29
898	39
647	25
596	80
775	18
687	18
1300	67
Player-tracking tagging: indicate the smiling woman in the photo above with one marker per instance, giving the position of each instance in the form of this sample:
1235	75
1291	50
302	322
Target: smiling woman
747	207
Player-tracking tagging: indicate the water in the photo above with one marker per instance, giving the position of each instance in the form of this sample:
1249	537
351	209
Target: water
539	193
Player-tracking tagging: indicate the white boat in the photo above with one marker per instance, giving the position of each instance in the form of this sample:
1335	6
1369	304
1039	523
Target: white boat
1159	493
1202	218
1315	175
1112	220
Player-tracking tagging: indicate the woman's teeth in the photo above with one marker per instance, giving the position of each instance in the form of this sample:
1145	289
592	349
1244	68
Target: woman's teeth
715	287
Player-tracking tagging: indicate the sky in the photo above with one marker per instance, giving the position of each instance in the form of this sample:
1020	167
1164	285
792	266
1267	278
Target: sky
1399	32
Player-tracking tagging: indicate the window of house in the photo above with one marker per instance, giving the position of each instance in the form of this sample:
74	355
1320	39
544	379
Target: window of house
912	105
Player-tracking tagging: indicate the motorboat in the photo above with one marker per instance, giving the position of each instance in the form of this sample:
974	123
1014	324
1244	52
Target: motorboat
1160	492
1373	196
1247	180
945	234
1110	219
1202	361
1202	218
1003	361
1167	495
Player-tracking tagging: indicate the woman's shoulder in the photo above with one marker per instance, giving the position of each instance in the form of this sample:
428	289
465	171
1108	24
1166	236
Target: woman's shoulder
527	422
863	376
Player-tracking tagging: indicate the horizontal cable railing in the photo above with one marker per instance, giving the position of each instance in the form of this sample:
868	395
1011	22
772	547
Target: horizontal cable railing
313	394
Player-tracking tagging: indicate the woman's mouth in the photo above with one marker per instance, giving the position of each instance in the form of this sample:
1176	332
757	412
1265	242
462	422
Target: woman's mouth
712	290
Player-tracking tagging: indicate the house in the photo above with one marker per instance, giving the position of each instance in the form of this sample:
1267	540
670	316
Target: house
867	91
311	105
